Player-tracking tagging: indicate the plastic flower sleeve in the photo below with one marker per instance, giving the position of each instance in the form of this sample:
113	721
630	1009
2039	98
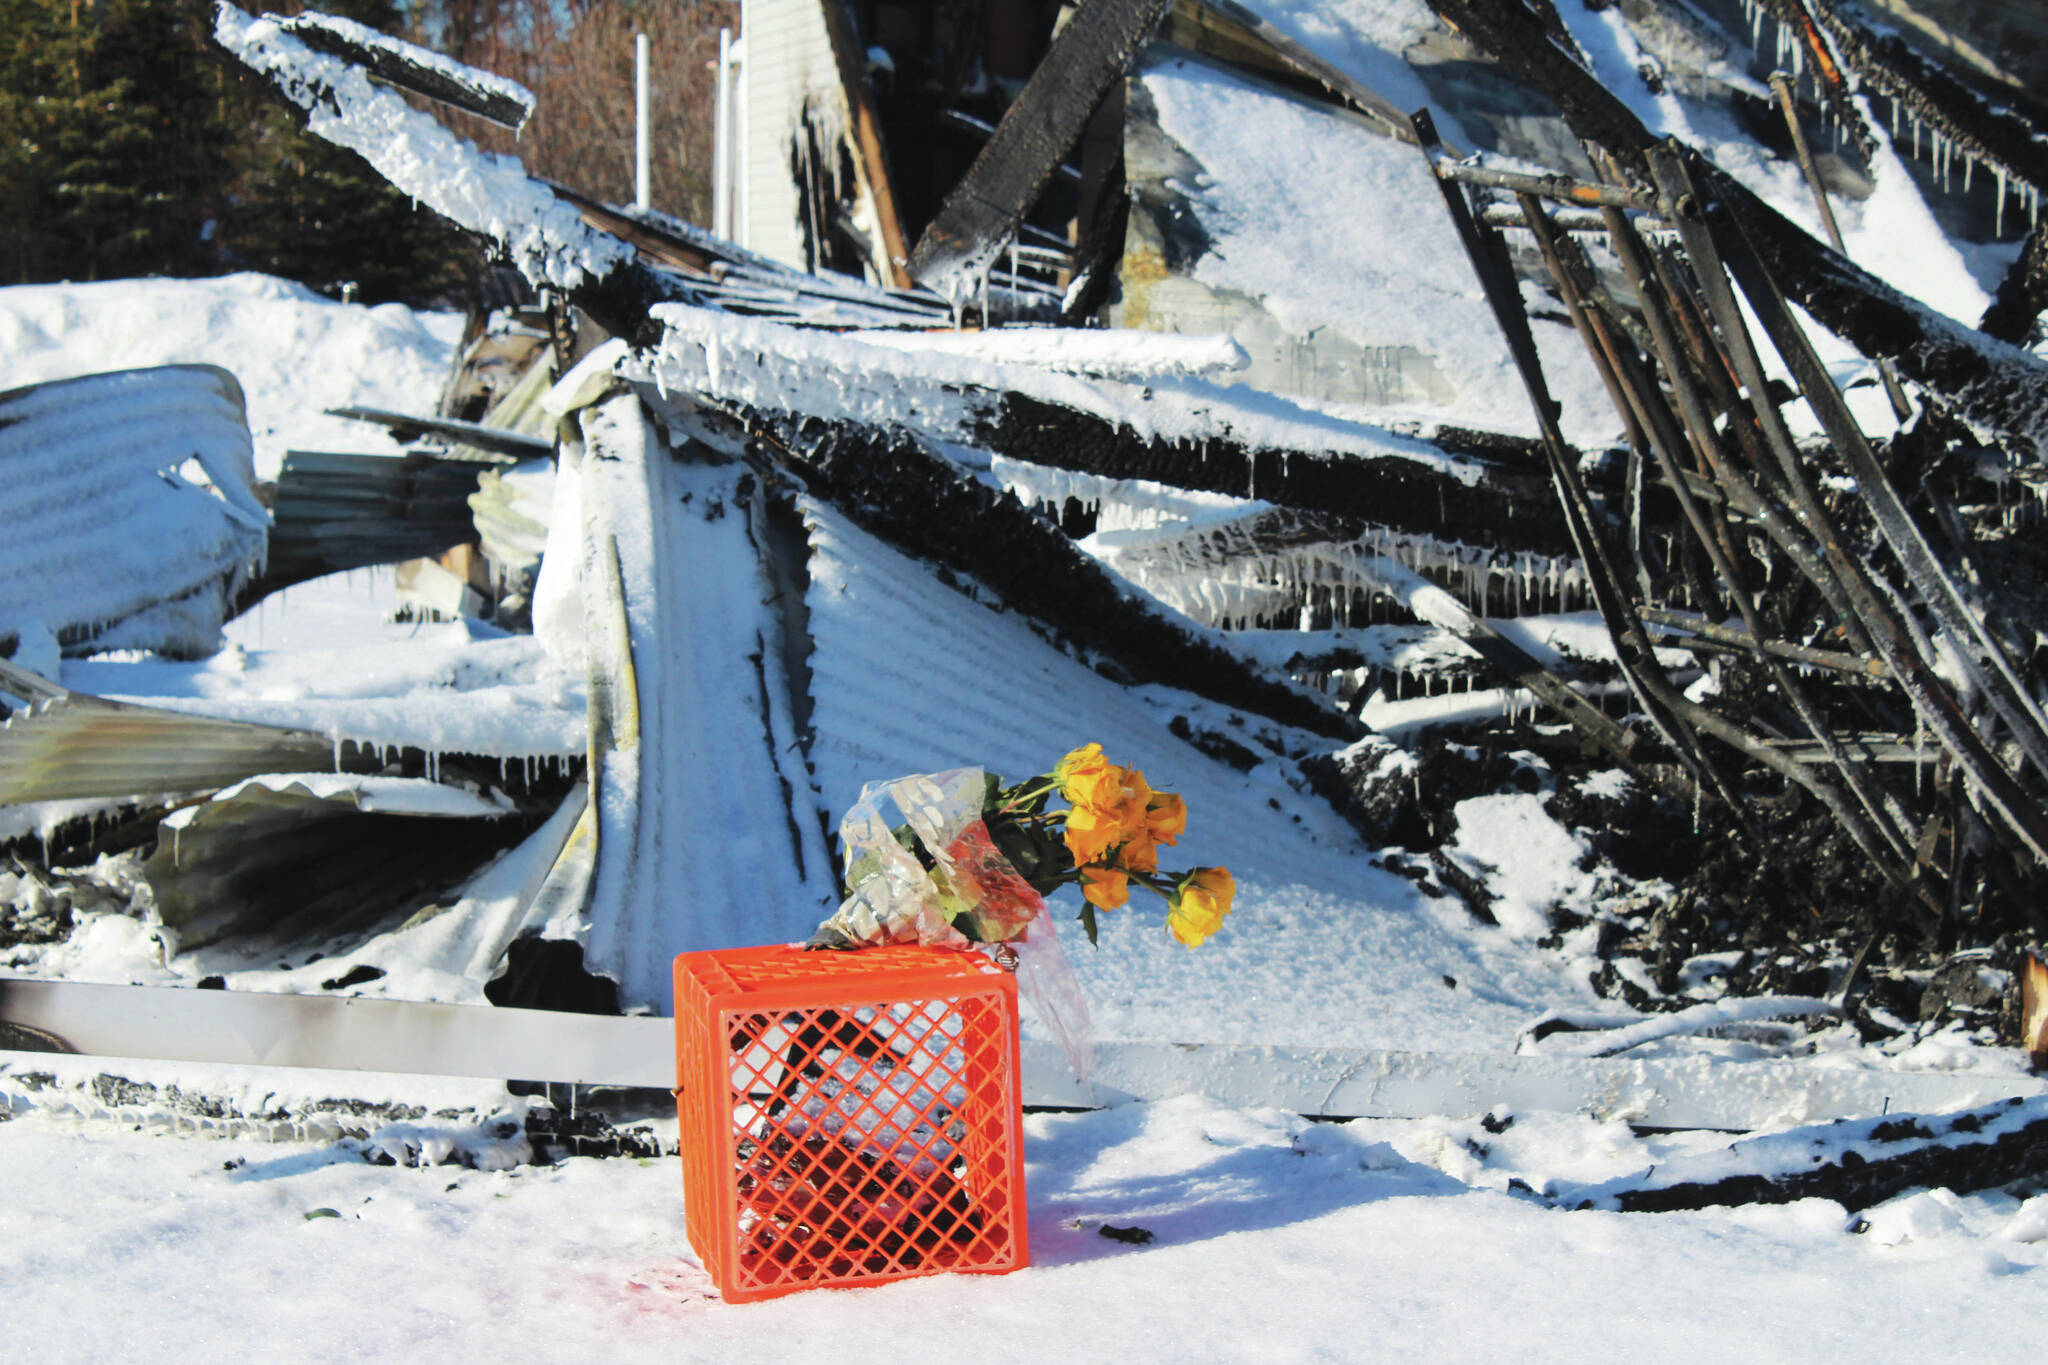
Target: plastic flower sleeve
1047	980
892	898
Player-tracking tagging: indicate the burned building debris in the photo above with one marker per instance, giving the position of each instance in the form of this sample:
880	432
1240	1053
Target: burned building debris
1590	476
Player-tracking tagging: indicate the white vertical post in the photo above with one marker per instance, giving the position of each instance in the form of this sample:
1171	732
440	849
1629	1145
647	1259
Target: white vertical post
642	147
721	141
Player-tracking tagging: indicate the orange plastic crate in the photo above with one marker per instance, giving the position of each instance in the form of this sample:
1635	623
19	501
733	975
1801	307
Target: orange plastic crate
848	1118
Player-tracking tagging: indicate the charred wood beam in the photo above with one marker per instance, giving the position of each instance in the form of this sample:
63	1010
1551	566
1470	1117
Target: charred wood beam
1253	32
1091	52
872	162
1519	40
1834	86
890	484
1989	130
406	426
1506	508
2022	294
1989	382
1877	1159
414	69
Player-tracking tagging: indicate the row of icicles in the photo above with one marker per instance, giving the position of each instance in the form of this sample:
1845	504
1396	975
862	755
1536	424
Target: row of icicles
1931	146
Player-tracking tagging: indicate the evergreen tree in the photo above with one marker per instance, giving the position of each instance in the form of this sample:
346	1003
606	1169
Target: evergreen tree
130	144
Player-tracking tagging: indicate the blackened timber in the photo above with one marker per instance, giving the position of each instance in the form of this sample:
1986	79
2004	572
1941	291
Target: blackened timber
1254	32
1988	130
394	63
1091	52
1978	1149
1519	41
2022	294
1985	381
1484	503
892	486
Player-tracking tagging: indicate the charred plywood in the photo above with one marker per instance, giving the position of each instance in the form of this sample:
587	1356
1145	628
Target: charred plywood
981	215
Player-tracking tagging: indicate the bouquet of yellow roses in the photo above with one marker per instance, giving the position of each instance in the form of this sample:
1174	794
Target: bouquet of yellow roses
973	859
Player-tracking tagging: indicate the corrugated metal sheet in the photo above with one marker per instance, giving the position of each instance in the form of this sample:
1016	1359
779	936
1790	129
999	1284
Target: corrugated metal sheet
70	746
131	502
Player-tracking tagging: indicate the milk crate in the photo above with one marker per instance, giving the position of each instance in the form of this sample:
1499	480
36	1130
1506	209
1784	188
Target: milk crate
848	1118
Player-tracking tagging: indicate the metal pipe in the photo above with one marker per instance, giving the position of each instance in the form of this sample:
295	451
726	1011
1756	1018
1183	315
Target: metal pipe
1559	187
721	141
1781	85
643	172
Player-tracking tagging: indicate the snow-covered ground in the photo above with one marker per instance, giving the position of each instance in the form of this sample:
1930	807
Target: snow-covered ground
1275	1240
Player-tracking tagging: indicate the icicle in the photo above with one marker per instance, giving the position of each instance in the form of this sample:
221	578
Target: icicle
1999	229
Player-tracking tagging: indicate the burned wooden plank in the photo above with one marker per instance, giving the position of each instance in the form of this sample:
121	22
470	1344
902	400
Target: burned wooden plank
2022	294
1988	130
978	217
407	426
1857	1163
871	164
1483	502
890	484
1251	33
414	69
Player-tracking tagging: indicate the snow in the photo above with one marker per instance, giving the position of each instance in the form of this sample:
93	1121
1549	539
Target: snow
1274	1239
944	391
323	656
1105	354
1371	203
295	352
387	795
135	495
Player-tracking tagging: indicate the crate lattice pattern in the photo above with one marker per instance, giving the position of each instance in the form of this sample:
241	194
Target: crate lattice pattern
864	1141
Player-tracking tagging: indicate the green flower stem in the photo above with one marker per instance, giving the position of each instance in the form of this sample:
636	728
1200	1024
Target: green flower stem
1024	792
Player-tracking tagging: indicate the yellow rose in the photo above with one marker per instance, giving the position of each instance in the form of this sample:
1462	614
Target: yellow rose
1199	904
1081	773
1166	817
1091	831
1105	887
1137	852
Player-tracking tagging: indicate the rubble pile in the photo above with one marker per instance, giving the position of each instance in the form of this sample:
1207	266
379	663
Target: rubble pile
1655	514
